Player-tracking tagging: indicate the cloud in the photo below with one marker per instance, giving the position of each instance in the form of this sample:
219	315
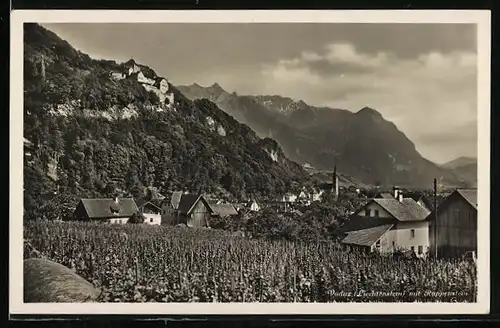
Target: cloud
430	94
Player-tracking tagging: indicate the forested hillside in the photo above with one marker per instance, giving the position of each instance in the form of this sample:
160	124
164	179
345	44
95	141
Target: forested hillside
87	134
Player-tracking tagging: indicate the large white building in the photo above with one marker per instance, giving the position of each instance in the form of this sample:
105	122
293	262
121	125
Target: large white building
390	224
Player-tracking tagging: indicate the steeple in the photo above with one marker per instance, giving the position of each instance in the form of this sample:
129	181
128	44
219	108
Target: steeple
335	183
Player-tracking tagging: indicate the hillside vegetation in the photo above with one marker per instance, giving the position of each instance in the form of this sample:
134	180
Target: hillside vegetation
90	135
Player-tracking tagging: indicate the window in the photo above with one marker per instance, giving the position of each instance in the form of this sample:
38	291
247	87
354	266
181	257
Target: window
412	233
412	248
377	244
376	212
151	220
420	249
393	244
372	212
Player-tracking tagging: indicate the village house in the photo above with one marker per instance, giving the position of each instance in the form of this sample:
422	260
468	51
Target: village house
223	210
253	206
316	195
192	210
289	198
308	197
421	199
151	212
304	197
169	208
388	225
117	210
28	151
417	196
453	231
280	206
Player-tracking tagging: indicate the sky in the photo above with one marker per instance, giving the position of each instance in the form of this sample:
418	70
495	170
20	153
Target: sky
421	77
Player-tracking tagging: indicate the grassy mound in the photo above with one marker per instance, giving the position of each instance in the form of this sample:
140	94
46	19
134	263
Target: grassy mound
50	282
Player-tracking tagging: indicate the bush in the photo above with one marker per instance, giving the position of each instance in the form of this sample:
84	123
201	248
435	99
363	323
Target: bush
136	218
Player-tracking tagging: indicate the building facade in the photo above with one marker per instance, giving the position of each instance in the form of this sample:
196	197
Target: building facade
453	231
151	213
388	225
109	210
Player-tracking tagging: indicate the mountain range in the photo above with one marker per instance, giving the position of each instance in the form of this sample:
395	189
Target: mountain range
464	167
97	128
362	144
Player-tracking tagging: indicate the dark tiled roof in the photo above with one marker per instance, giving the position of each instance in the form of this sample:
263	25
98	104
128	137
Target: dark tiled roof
224	209
362	222
175	200
98	208
386	195
366	237
147	204
416	196
469	195
407	210
187	202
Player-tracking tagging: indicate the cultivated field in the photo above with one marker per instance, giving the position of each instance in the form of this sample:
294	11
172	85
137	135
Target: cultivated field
138	263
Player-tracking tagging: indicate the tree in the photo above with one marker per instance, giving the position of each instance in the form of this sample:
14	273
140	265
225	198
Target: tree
136	218
153	98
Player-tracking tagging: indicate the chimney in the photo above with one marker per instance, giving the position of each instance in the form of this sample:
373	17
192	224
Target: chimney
400	196
395	192
116	199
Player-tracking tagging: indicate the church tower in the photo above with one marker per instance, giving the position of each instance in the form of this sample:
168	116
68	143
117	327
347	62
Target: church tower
335	183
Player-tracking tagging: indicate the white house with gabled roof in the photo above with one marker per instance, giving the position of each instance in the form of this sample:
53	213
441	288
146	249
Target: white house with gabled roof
389	224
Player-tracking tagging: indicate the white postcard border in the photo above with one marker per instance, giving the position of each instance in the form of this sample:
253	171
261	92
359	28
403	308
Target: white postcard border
480	17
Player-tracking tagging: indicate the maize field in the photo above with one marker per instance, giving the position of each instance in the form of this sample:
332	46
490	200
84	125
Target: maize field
141	263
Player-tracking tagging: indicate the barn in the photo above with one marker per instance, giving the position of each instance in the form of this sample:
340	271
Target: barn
193	210
117	210
453	228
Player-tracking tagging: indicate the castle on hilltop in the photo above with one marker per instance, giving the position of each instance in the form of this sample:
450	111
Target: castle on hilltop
148	79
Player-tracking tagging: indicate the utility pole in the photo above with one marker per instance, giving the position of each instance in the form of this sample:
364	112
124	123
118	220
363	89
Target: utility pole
335	186
435	218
